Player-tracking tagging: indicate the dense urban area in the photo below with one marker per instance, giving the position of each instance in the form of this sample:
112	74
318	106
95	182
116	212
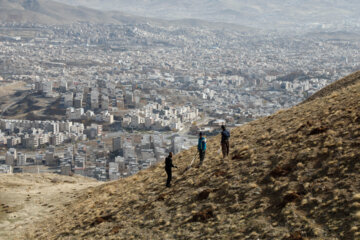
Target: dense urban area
105	101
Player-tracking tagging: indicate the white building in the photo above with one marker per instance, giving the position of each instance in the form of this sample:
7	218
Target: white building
114	173
6	169
11	157
21	159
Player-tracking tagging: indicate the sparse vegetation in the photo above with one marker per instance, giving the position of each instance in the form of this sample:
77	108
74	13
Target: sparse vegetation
292	175
26	198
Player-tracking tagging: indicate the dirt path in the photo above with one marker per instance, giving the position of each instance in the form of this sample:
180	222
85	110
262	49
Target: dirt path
28	198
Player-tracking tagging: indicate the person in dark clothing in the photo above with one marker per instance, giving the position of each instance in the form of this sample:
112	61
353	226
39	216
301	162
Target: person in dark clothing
168	168
225	145
201	147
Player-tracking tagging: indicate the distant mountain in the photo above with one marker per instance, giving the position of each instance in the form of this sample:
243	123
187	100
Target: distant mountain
49	12
255	13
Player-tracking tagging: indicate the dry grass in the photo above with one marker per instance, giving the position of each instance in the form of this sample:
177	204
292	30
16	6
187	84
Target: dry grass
25	198
10	88
293	175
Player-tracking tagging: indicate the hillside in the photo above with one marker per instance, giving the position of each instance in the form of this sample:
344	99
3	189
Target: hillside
50	12
56	13
350	80
255	13
27	198
293	175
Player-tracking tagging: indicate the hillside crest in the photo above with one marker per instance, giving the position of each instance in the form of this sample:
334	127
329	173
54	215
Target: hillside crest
51	12
292	175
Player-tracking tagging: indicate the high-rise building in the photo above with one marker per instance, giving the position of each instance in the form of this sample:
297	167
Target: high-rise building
116	144
50	157
21	159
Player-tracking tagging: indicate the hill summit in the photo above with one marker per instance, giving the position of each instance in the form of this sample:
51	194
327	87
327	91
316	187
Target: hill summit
51	12
292	175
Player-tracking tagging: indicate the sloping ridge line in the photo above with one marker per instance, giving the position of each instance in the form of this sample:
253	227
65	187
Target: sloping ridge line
342	83
292	175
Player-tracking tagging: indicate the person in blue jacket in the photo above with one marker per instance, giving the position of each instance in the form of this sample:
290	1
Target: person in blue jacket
201	147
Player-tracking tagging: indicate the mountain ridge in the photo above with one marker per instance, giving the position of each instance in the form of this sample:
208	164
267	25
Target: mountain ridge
49	12
255	13
342	83
292	175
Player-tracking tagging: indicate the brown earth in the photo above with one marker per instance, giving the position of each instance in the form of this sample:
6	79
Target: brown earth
28	198
33	106
10	88
292	175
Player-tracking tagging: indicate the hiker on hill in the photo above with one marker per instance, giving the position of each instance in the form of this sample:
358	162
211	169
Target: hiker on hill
201	147
225	145
168	168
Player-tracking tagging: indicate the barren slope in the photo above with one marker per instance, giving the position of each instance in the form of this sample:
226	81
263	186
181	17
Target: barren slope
293	175
25	198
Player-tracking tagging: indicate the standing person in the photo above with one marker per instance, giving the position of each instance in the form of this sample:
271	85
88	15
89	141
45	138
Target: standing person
201	147
168	168
225	145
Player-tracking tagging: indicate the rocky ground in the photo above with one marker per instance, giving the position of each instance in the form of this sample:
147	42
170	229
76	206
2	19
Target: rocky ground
293	175
28	198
